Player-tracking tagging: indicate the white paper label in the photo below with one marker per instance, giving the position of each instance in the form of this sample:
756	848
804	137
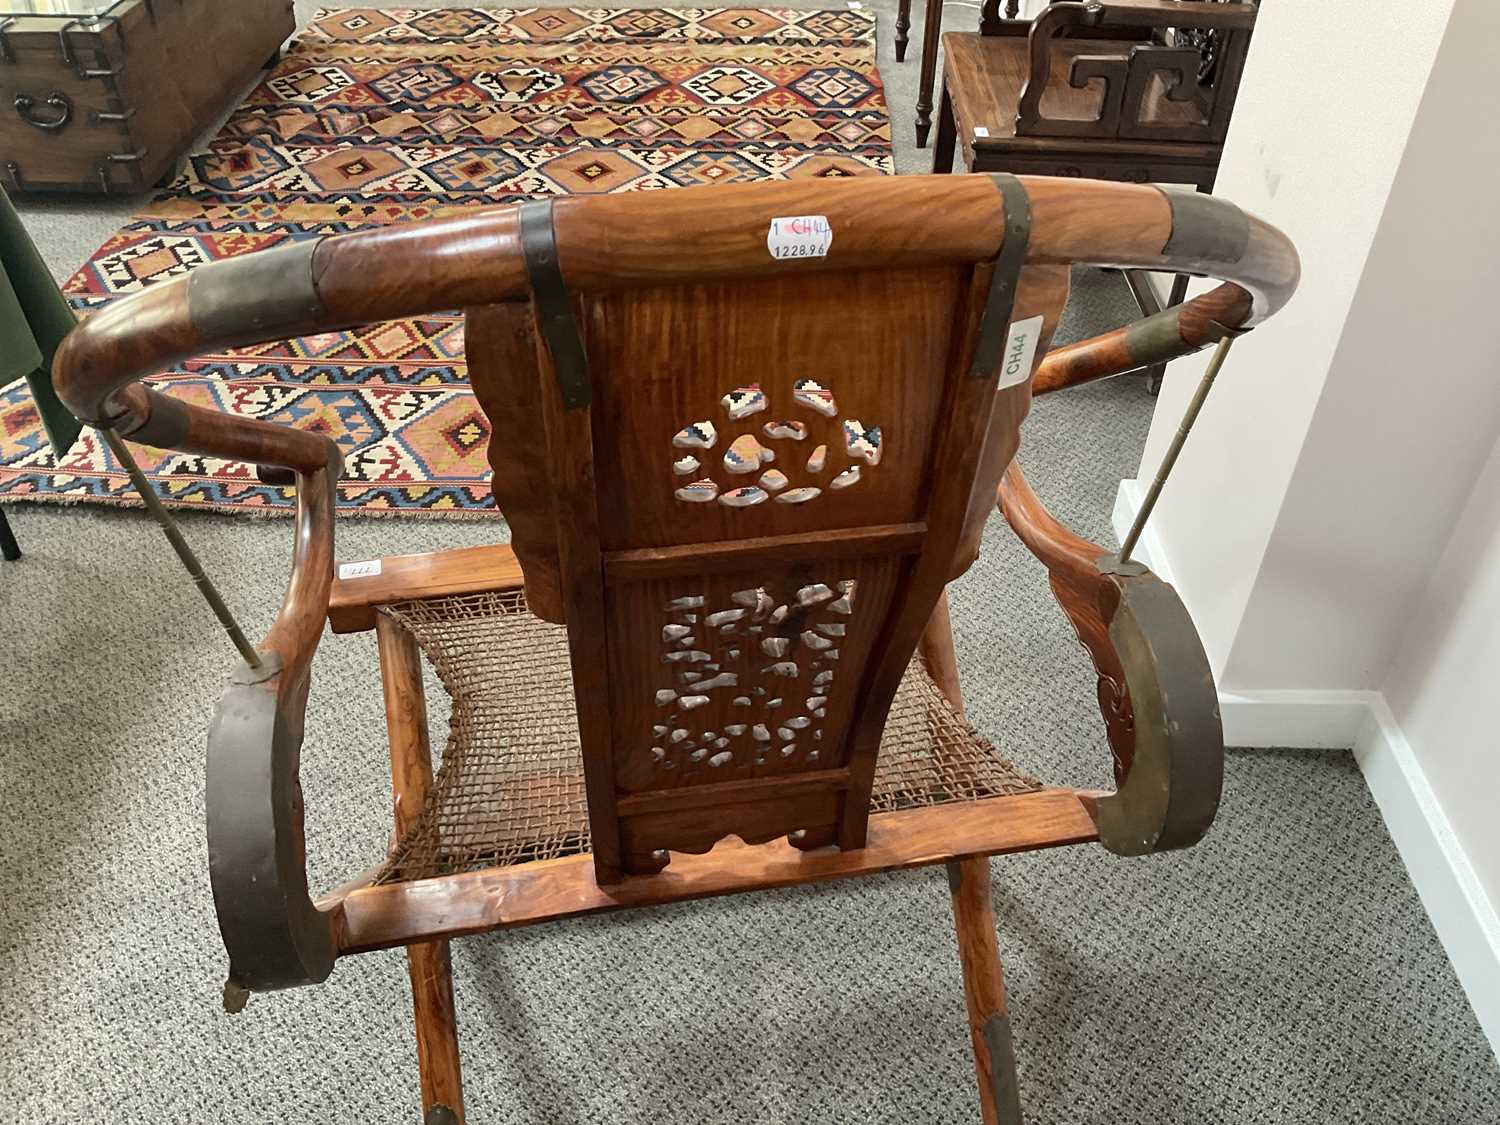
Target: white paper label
799	236
359	570
981	131
1020	350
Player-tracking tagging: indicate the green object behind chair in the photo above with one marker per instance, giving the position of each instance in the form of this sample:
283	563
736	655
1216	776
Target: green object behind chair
34	317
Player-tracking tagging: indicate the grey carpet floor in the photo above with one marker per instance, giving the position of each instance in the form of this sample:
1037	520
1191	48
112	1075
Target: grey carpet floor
1283	971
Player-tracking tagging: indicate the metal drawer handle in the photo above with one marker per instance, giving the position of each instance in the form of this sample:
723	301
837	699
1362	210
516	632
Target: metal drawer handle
26	106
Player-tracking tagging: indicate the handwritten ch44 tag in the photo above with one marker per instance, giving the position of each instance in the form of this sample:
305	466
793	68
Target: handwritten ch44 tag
799	236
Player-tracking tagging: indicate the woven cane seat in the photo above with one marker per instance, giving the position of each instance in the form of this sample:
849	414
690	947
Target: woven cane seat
510	785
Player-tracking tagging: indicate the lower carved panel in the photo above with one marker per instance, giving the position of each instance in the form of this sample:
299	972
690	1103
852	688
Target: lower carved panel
807	814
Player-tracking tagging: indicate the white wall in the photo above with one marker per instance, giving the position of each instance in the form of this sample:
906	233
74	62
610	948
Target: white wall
1410	404
1314	146
1334	522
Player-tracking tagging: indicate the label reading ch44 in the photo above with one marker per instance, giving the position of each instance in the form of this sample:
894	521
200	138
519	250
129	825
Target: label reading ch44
799	236
1020	350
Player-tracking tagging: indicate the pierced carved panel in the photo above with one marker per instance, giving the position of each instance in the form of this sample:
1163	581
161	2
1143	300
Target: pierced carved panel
752	451
765	664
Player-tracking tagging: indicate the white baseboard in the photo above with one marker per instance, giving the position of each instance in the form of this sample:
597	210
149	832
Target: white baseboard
1301	720
1462	914
1465	920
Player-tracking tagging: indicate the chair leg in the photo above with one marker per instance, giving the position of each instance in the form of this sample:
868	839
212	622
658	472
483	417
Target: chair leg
437	1033
945	145
984	990
428	961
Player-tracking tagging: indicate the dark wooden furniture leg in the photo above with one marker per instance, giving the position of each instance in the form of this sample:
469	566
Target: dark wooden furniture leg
932	34
427	961
903	29
984	990
10	550
944	148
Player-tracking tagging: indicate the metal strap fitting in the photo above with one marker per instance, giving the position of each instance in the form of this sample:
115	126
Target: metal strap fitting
1005	275
554	307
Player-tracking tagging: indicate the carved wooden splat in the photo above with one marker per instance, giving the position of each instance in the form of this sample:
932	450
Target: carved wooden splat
747	454
778	689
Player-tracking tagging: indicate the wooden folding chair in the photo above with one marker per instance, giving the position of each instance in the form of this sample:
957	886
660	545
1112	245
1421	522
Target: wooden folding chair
743	436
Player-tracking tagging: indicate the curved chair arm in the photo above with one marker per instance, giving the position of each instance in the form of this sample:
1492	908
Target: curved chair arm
1172	230
257	857
1156	691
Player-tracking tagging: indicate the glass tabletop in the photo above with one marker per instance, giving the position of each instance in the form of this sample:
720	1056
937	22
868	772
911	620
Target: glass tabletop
72	9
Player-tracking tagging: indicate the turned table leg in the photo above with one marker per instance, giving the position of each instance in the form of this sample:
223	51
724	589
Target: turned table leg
984	990
903	29
932	35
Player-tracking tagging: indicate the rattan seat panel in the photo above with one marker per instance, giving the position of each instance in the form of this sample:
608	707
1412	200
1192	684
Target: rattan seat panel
509	788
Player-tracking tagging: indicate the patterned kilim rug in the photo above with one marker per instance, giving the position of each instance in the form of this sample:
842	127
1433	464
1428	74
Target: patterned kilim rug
376	116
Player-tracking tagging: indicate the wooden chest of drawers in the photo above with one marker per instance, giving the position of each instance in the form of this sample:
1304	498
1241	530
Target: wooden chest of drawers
106	95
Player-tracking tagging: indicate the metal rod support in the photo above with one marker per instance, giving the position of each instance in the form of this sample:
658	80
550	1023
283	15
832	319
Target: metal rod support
1165	468
174	536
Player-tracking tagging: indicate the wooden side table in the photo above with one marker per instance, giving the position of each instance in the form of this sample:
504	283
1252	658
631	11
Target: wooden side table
932	32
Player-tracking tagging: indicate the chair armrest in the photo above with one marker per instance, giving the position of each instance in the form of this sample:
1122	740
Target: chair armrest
1205	237
275	935
401	578
1156	690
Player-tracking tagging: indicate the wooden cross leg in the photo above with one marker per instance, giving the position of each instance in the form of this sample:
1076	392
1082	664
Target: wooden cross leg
984	990
428	961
